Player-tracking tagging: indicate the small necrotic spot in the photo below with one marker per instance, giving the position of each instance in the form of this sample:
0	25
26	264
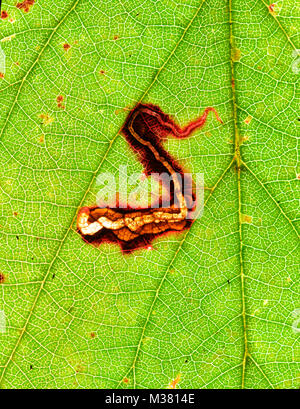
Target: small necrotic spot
125	380
271	7
2	278
66	46
4	14
174	382
59	101
25	5
1	75
116	37
248	120
93	335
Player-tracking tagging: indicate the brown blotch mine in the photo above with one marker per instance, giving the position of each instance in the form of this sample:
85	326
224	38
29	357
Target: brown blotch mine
25	5
4	15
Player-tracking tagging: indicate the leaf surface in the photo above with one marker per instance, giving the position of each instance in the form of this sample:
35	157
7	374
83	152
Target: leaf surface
213	307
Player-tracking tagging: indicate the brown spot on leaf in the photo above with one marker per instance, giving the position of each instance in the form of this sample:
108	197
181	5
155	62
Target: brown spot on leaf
116	37
174	382
4	14
66	46
126	380
2	278
46	118
59	100
235	54
271	8
248	119
79	368
93	335
15	214
246	218
25	5
244	139
42	139
102	72
1	75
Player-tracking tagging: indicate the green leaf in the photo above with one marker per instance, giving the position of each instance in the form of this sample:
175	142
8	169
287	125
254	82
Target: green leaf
214	307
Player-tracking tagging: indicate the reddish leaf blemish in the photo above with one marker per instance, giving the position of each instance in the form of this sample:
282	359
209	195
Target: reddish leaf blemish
66	46
126	380
59	101
2	278
93	335
271	7
1	75
174	382
116	37
248	120
25	5
4	15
